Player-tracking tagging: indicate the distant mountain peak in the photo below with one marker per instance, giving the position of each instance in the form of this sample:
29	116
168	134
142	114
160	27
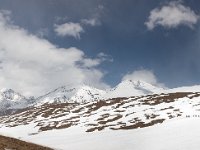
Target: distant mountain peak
11	100
127	88
5	90
81	93
135	82
9	94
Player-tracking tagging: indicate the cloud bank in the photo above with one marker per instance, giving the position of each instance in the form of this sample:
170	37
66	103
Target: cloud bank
33	66
172	15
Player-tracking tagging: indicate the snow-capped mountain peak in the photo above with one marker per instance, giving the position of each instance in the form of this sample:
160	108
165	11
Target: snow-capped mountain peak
82	93
11	101
134	83
129	88
9	94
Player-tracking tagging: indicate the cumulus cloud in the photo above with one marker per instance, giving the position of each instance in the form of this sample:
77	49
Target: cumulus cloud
69	29
101	57
33	66
172	15
143	75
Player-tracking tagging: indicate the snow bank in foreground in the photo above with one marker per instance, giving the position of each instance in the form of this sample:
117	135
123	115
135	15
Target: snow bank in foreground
180	134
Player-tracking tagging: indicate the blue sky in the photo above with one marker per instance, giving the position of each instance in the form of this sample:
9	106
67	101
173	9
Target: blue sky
160	37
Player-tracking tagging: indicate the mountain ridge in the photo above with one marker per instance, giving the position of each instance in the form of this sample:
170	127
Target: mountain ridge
11	100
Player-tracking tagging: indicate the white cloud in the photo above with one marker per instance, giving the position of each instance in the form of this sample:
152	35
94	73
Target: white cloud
101	57
104	57
143	75
91	22
95	18
172	15
33	65
69	29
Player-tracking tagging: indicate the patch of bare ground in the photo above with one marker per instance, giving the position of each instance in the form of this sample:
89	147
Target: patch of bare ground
50	127
195	95
150	116
129	114
78	110
139	125
91	124
120	111
171	116
177	110
114	118
15	144
136	123
99	104
171	97
66	123
53	109
171	107
95	128
103	122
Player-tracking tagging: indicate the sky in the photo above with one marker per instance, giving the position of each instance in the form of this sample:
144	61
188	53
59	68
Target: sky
50	43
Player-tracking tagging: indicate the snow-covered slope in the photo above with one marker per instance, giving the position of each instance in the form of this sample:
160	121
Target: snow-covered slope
174	135
68	94
194	88
129	88
138	122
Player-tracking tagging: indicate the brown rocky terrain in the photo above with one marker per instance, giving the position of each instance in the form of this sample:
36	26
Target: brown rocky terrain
7	143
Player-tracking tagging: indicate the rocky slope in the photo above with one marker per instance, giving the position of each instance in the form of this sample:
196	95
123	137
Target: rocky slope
8	143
